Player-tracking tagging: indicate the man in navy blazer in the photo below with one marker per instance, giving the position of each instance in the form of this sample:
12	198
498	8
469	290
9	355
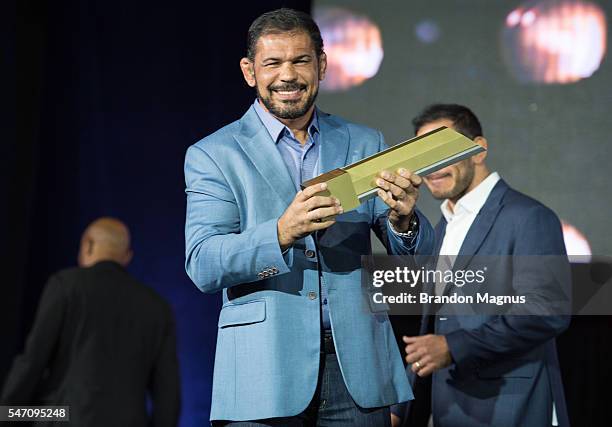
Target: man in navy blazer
298	343
486	369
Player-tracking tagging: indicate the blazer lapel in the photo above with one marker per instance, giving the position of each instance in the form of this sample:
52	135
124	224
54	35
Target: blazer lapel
439	237
334	139
439	231
261	149
481	226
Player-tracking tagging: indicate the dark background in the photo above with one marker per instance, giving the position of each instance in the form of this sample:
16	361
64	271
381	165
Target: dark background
108	96
550	141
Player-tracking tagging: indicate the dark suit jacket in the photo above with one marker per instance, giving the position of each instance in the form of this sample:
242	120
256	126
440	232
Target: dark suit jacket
505	371
100	341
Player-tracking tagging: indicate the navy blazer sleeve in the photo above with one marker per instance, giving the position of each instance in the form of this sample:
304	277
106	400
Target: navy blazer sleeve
539	233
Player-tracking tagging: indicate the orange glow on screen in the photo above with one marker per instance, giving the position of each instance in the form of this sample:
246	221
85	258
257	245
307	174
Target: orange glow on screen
554	41
576	243
353	45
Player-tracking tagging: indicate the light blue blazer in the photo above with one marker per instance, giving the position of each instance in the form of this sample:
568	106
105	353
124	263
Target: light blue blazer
267	356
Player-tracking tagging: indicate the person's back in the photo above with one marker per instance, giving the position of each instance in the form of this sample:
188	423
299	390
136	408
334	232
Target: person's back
100	342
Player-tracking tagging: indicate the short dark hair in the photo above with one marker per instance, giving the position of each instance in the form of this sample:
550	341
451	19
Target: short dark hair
283	20
464	120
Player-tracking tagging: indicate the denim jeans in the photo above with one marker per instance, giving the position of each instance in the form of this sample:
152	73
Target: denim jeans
331	406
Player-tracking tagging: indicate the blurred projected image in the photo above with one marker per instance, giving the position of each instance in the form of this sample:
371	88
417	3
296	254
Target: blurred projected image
575	242
428	31
536	70
353	45
554	41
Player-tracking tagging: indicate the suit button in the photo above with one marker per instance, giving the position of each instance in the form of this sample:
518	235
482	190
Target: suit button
312	295
274	270
309	253
260	275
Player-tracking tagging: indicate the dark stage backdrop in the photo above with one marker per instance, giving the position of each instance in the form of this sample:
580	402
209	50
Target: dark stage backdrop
110	95
515	63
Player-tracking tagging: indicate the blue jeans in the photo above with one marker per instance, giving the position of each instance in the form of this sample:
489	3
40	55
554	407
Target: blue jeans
331	406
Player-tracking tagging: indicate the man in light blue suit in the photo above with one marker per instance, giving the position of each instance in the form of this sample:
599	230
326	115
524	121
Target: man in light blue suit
490	370
298	343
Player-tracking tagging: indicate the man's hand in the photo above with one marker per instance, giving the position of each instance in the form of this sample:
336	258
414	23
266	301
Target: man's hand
400	192
427	353
304	215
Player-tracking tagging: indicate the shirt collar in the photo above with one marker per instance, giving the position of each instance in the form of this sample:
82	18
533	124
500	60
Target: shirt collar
276	128
473	201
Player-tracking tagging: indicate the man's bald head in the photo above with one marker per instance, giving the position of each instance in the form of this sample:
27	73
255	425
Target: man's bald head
105	239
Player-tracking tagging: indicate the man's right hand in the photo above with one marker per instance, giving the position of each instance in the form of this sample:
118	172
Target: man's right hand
304	215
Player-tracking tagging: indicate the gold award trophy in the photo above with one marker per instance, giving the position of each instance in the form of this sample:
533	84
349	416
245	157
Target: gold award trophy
425	154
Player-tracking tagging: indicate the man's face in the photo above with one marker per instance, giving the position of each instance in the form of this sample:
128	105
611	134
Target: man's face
453	181
286	73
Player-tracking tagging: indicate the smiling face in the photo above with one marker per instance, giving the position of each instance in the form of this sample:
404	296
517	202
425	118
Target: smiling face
286	73
453	181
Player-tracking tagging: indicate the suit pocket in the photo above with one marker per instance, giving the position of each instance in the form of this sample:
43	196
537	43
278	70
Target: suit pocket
376	307
508	369
243	313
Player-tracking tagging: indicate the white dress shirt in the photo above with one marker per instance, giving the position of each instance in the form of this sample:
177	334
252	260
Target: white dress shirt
458	222
460	219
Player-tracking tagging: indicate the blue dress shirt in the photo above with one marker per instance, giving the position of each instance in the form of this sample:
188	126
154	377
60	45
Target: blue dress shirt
302	162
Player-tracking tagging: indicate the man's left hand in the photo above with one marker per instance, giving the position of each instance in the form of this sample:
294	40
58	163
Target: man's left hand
427	353
400	192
